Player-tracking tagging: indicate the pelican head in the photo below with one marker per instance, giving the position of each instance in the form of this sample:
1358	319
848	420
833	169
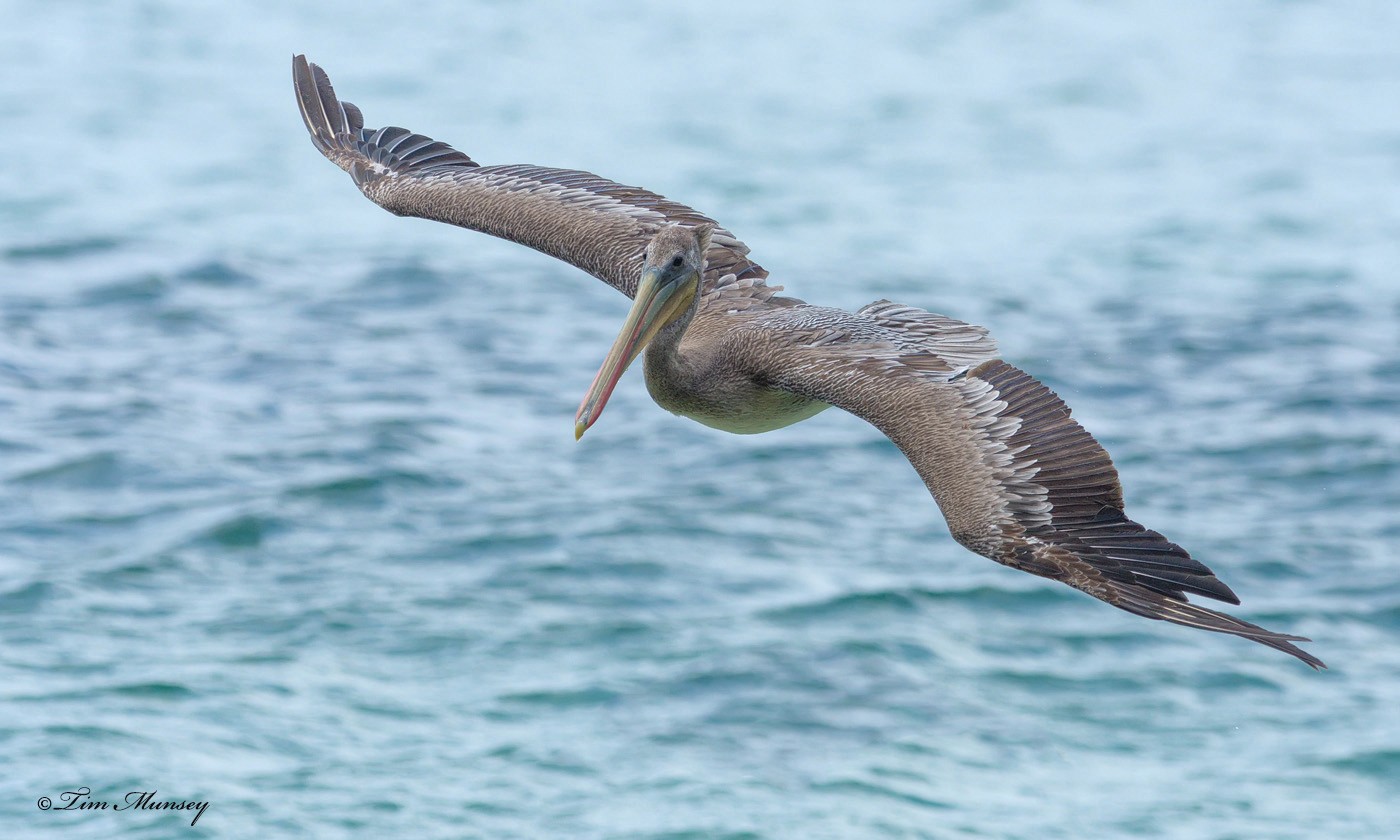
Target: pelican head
672	267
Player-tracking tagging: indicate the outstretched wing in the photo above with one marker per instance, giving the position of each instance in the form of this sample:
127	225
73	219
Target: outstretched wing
595	224
1018	479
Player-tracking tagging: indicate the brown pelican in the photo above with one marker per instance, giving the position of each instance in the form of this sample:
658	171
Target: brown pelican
1018	480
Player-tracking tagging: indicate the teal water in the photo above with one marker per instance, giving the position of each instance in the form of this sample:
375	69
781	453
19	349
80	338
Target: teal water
292	520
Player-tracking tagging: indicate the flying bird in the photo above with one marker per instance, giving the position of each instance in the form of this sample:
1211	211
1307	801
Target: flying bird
1017	478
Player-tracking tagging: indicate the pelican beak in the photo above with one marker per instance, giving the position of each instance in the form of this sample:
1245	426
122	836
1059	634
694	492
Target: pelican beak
657	304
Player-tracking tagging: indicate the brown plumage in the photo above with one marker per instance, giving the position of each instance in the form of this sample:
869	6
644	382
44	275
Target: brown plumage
1018	480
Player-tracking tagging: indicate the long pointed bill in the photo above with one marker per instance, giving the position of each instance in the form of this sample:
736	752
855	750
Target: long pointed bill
657	304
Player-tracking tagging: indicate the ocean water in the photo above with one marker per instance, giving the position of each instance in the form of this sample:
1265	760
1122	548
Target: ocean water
292	521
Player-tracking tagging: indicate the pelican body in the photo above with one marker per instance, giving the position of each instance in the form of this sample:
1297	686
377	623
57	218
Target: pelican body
1017	478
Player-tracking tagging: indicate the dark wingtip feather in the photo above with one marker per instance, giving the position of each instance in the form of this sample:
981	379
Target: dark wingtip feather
1086	500
308	101
1084	539
326	118
1151	604
353	114
330	105
337	128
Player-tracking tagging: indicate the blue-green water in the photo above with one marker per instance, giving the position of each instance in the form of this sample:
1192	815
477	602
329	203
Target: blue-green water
292	520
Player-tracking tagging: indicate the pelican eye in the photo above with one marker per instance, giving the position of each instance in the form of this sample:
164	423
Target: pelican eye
676	262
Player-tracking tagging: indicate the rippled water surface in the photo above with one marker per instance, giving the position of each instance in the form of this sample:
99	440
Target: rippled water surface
292	520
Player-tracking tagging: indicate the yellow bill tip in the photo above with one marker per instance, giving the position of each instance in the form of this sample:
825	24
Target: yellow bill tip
579	428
